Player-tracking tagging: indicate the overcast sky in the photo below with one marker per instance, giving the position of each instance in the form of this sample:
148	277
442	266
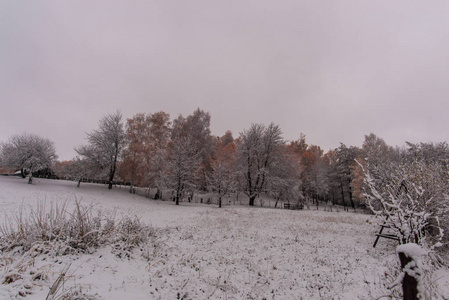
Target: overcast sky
334	70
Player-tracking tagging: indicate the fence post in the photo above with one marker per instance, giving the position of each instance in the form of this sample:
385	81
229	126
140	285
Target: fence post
409	257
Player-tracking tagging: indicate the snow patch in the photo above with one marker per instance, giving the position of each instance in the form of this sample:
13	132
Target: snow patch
411	250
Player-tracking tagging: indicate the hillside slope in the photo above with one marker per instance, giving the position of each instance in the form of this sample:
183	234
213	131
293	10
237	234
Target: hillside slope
202	252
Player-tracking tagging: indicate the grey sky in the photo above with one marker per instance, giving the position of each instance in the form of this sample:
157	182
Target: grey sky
334	70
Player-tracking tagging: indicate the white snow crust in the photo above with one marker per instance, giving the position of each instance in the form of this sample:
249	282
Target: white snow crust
411	250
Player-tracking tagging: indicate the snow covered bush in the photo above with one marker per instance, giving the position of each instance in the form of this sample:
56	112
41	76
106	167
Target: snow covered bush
410	200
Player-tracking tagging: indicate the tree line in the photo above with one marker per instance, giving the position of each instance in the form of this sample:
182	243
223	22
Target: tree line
181	155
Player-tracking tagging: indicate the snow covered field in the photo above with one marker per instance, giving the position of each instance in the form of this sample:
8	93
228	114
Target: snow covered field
202	252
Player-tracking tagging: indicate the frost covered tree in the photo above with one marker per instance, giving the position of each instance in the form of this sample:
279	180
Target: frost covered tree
284	182
183	160
428	152
144	156
376	155
342	175
257	148
315	173
197	127
77	169
222	178
411	201
159	138
375	150
435	158
27	152
182	167
299	147
105	145
158	173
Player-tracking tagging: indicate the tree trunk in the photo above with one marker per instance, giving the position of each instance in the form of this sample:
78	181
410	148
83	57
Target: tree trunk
79	183
178	195
22	173
350	195
251	200
158	194
343	195
219	202
30	179
112	169
111	176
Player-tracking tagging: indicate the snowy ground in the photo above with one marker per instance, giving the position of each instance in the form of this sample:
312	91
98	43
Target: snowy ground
202	252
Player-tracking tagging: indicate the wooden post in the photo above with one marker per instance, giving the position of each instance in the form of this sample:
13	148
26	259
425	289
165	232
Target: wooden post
378	236
411	271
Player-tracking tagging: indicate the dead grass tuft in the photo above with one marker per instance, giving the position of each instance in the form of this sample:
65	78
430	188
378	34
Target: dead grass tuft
56	231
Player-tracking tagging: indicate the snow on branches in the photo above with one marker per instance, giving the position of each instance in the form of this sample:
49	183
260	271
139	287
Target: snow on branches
27	152
408	200
105	145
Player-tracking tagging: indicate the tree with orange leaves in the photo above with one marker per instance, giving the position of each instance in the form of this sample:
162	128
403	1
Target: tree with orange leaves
222	179
147	137
315	174
134	166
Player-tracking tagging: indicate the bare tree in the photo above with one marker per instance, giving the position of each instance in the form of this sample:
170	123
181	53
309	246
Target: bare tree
183	159
159	134
315	174
257	150
84	169
284	179
182	166
158	173
27	152
342	175
197	127
105	145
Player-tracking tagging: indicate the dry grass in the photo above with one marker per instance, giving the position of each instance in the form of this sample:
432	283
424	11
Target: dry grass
80	230
56	231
